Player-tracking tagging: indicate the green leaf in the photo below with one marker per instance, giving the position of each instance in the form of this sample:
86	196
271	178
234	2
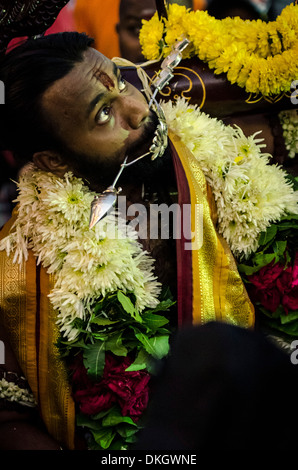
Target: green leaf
266	237
114	344
162	306
128	306
248	270
87	422
287	225
126	303
94	359
263	259
65	347
279	247
104	437
140	362
127	432
157	346
259	261
290	217
153	321
280	321
166	293
278	312
115	417
101	414
290	329
118	444
103	321
288	318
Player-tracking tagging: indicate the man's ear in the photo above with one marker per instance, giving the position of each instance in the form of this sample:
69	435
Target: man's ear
50	161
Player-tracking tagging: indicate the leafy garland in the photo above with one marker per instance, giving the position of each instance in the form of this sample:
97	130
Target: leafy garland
113	315
258	56
113	367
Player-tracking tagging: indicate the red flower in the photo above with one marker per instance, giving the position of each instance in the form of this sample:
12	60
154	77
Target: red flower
284	282
265	278
295	272
129	389
290	300
264	288
274	285
288	286
270	299
94	400
89	395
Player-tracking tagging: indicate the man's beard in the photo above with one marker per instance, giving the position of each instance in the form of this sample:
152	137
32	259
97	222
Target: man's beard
100	173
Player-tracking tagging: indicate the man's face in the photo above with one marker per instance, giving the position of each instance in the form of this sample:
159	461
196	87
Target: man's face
131	14
99	117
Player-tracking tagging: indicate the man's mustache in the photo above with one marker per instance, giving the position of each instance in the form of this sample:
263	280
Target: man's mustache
143	143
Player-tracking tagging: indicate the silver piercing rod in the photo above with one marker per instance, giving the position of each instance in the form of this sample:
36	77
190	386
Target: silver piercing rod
102	203
123	165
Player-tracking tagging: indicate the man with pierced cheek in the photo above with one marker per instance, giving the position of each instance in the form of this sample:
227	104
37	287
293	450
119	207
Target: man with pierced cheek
68	109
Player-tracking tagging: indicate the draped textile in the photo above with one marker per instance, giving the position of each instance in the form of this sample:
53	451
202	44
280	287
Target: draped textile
208	284
30	322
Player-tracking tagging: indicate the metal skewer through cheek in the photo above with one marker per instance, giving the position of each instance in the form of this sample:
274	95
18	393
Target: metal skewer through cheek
104	202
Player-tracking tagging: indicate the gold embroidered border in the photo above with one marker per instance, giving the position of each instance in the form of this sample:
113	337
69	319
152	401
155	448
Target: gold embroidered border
218	291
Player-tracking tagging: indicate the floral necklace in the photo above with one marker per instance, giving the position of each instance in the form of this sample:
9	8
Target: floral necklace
110	306
257	56
238	173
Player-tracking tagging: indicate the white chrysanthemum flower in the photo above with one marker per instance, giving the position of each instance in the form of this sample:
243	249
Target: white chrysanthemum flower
238	173
53	221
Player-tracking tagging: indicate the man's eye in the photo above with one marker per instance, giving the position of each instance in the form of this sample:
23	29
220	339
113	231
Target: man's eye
104	114
134	29
122	84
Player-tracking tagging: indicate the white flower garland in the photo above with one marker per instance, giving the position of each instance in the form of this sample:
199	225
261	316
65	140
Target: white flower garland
53	218
53	221
250	194
12	392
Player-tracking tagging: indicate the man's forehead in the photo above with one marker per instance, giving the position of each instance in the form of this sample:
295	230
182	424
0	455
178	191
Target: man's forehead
94	71
99	67
135	8
106	77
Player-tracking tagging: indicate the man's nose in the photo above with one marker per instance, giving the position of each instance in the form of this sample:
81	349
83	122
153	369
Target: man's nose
134	111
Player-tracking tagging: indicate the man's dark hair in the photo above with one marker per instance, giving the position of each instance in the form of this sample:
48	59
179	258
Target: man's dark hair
27	71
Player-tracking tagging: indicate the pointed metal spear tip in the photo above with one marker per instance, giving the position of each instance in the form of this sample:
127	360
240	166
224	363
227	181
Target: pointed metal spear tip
101	205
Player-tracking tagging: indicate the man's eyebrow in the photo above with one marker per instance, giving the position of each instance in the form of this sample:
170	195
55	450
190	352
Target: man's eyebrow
94	102
100	96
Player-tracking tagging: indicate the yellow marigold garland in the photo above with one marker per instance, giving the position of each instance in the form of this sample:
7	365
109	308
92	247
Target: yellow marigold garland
258	56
